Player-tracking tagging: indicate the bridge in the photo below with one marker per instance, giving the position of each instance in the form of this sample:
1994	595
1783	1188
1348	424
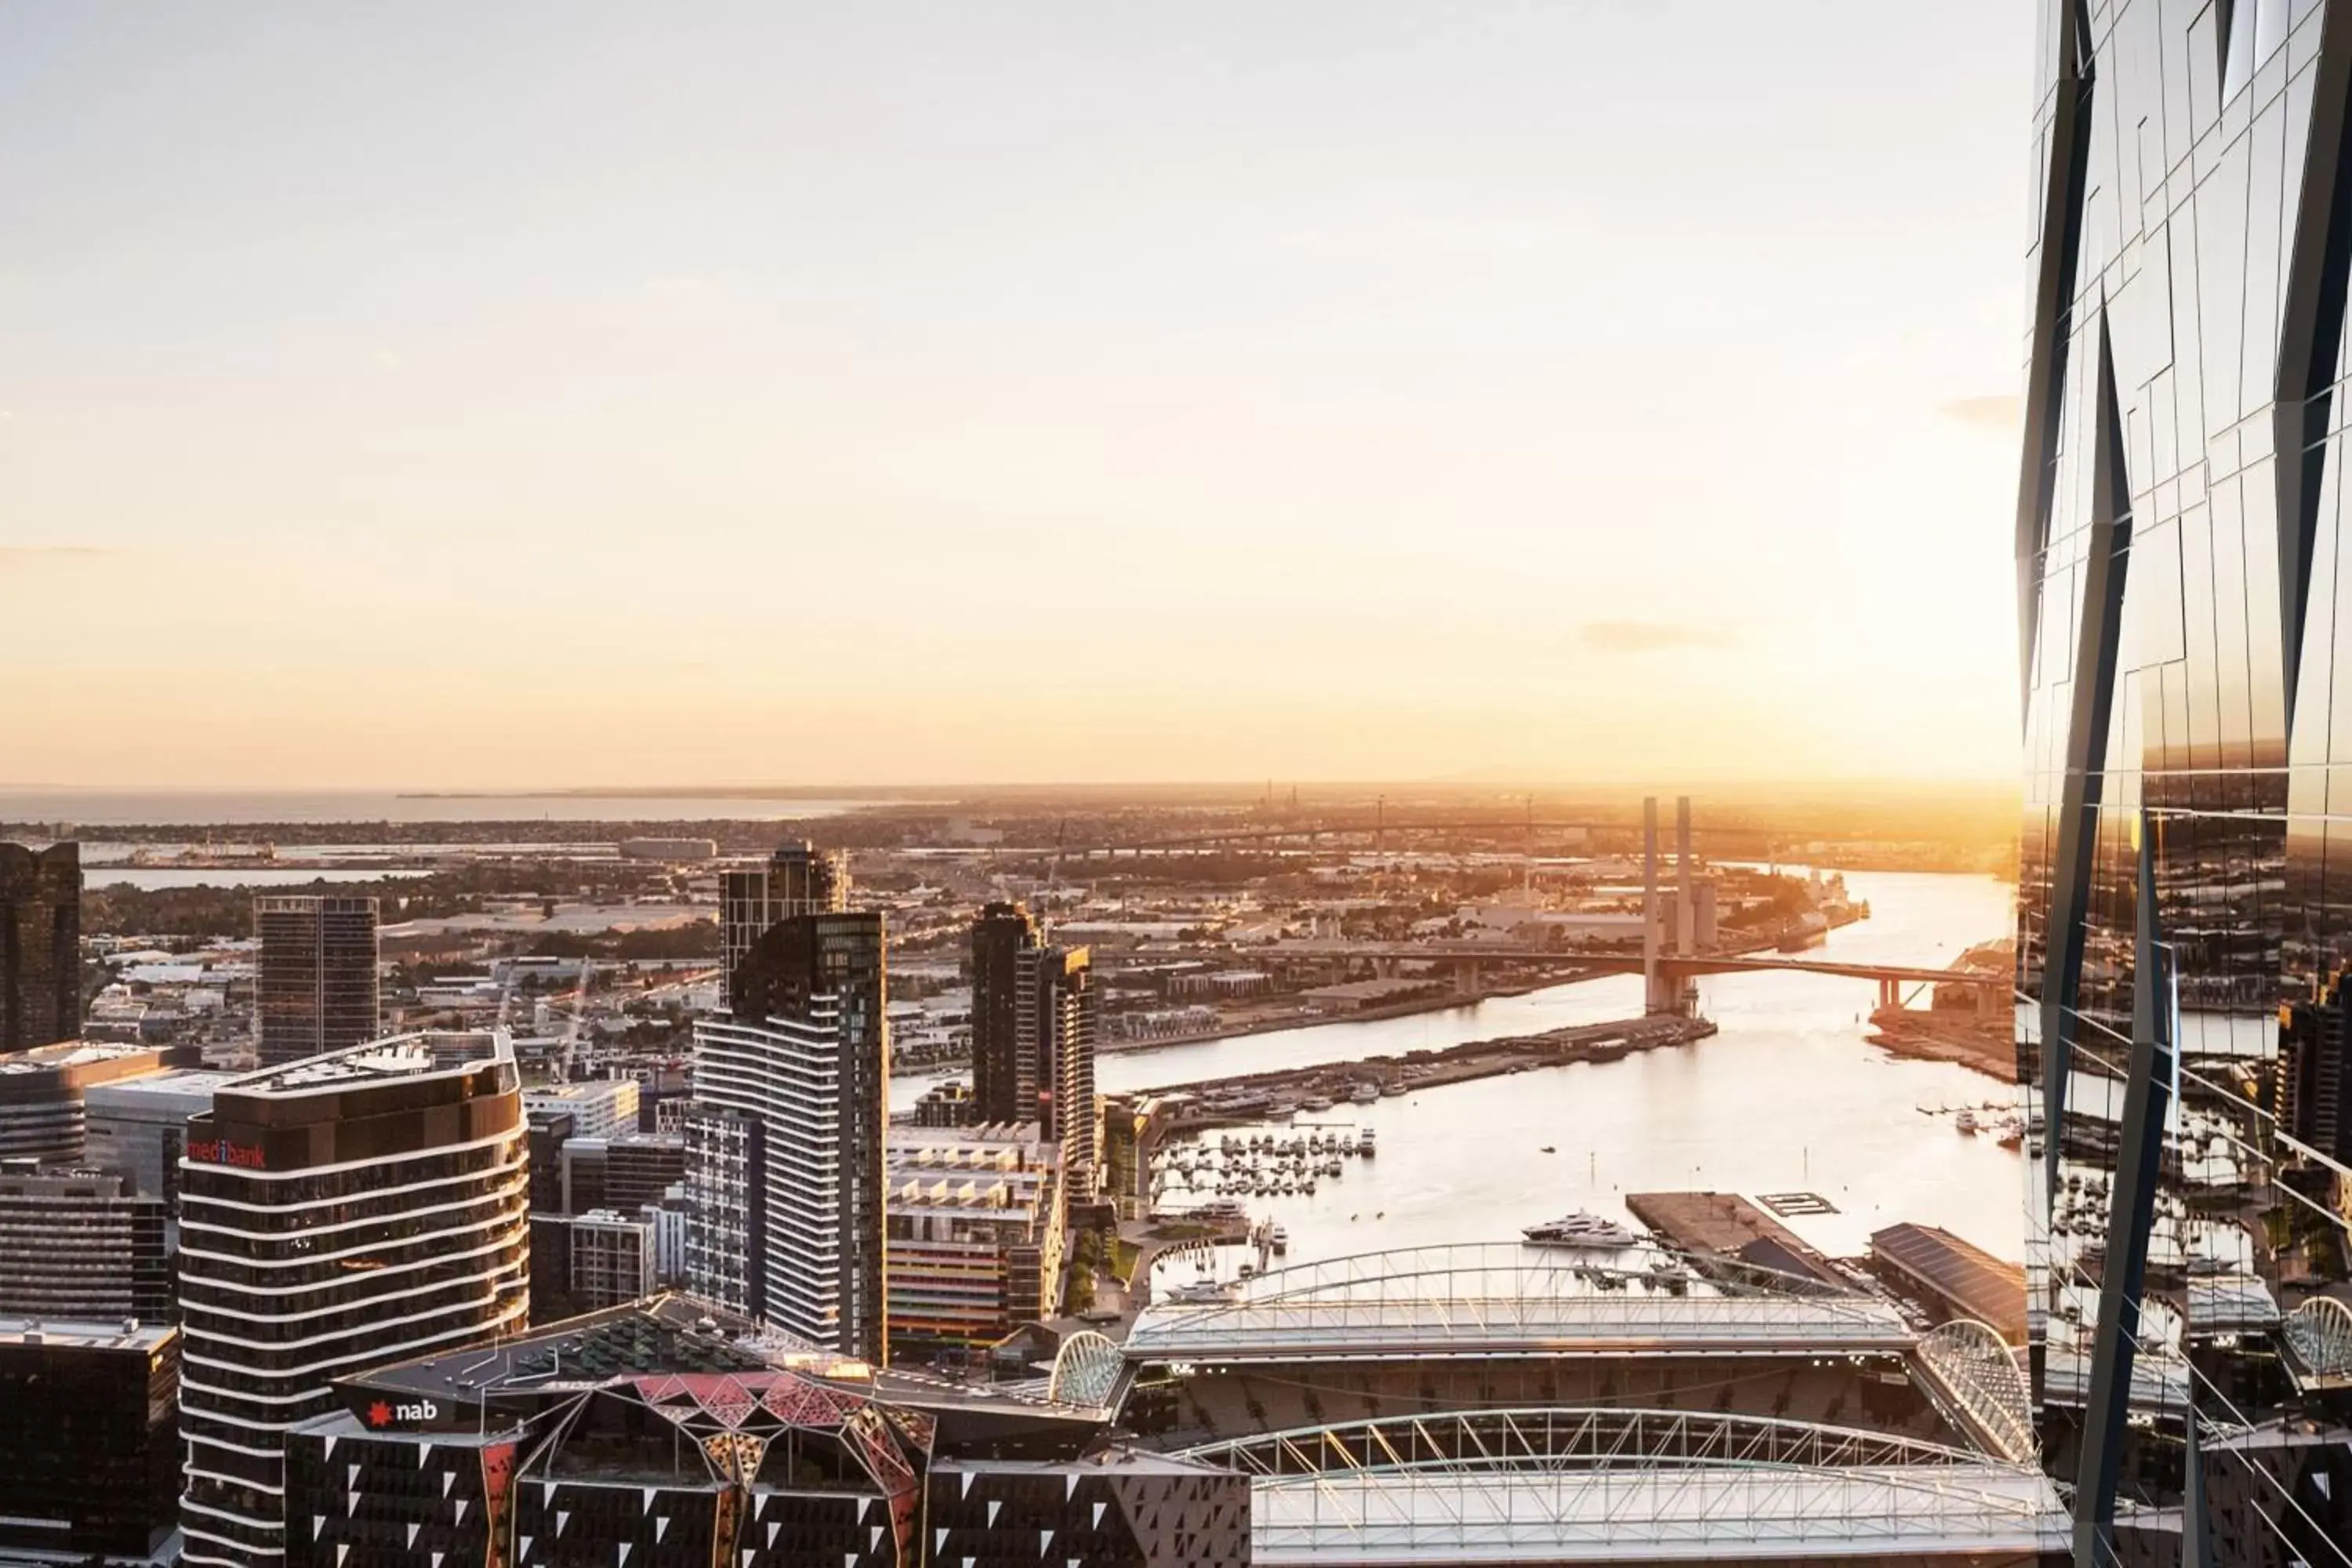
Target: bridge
1666	969
1378	828
1469	959
1675	963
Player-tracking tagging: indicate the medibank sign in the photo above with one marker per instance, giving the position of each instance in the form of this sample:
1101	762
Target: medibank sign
221	1151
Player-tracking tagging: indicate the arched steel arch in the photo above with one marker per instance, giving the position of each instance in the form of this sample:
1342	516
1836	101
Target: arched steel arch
1568	1438
1977	1370
1399	1273
1087	1370
2320	1333
1563	1485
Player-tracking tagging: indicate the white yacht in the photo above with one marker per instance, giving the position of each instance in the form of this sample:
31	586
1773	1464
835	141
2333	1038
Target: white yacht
1581	1230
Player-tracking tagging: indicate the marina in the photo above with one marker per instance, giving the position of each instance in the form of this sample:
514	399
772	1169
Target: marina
1260	1164
1788	1096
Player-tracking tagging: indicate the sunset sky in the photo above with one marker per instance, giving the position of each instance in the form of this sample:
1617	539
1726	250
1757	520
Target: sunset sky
446	396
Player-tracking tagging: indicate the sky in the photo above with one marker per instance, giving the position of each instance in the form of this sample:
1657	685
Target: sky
455	397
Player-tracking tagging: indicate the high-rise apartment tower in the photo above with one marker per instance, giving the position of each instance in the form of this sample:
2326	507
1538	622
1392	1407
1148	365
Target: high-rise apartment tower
335	1214
41	945
315	987
785	1135
999	937
1033	1037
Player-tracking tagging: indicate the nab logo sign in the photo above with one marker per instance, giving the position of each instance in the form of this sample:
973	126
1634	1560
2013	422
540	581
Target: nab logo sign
381	1414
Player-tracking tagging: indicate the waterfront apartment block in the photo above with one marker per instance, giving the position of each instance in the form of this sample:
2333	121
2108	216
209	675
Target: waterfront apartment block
315	983
2185	920
1055	989
975	1217
336	1212
785	1136
1002	932
1033	1037
75	1245
41	945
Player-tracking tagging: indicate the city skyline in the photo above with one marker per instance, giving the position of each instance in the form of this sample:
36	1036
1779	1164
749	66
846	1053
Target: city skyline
1203	335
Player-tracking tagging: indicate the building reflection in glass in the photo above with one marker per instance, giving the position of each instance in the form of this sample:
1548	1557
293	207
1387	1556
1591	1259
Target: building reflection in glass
2181	516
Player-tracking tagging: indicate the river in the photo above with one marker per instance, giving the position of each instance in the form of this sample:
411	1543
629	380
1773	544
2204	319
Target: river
152	879
106	807
1786	1097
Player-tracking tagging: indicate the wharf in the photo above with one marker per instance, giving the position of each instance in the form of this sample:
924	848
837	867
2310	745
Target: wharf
1986	1046
1255	1097
1726	1226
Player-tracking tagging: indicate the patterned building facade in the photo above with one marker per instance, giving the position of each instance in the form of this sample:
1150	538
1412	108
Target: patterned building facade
2180	531
669	1435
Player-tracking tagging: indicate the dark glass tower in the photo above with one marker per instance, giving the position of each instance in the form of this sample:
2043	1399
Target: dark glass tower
1033	1035
2182	531
316	987
999	937
798	879
41	945
89	1458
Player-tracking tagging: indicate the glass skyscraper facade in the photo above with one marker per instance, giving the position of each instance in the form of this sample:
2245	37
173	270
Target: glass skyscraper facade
315	987
41	945
2181	529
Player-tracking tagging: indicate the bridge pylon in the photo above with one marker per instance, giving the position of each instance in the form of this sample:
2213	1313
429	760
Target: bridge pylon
1653	999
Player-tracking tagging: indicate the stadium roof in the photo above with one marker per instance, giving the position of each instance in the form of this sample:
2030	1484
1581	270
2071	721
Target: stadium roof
1506	1299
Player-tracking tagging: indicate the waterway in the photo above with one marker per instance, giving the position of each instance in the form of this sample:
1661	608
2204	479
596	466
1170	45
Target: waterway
97	807
152	879
1786	1098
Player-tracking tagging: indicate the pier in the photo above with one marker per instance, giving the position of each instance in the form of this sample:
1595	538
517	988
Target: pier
1725	1225
1258	1097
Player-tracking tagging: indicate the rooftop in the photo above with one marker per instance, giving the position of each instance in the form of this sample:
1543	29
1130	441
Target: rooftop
185	1082
1509	1300
66	1054
678	1336
83	1333
586	1088
1982	1286
391	1058
662	1334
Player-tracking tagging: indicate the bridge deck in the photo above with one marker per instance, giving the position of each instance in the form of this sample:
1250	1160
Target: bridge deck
1610	963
